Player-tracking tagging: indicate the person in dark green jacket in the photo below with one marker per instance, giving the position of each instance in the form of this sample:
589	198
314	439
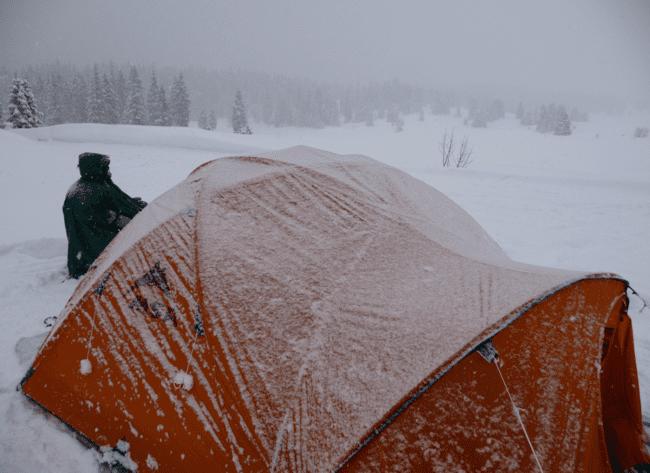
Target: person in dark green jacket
94	211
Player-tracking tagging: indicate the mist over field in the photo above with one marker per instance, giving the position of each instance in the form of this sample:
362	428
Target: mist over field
581	52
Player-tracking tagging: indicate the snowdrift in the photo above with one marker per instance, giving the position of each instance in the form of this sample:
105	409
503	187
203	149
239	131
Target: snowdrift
185	138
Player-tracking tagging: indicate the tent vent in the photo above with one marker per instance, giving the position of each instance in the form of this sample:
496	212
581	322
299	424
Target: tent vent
487	351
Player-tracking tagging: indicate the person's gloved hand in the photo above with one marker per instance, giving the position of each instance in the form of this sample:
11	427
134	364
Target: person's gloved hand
141	202
122	222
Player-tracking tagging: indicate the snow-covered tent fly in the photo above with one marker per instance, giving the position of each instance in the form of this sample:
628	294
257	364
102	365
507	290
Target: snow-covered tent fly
305	311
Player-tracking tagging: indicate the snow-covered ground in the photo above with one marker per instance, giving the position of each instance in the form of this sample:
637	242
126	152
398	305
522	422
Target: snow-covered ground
578	202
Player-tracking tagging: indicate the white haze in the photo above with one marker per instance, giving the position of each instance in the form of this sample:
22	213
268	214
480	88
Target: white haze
596	47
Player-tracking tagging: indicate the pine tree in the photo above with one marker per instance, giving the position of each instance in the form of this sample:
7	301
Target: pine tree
22	110
282	115
41	95
2	121
67	100
239	121
162	100
55	102
180	103
121	93
331	110
203	121
135	113
96	105
36	118
154	106
79	100
212	120
563	127
551	116
111	114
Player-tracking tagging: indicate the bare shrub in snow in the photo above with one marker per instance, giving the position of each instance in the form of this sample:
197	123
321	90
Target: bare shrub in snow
641	132
464	154
446	147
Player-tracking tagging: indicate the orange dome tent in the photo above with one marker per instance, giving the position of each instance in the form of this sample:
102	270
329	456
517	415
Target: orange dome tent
305	311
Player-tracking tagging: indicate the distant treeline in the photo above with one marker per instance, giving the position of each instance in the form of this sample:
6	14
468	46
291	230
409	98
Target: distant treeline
125	93
111	93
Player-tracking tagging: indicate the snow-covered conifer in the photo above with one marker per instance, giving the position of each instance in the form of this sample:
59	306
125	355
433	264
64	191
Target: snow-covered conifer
121	93
111	113
212	120
36	118
55	102
154	107
180	103
41	91
135	113
239	121
22	109
19	112
162	100
2	121
563	126
551	117
332	110
96	106
79	100
283	114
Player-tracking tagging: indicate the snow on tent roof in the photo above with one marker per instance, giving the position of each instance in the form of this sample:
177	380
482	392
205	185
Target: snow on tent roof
331	289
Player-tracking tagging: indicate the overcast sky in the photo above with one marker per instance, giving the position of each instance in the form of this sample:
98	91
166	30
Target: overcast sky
589	46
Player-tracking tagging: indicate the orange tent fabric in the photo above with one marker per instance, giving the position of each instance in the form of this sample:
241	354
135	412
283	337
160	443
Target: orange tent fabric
328	309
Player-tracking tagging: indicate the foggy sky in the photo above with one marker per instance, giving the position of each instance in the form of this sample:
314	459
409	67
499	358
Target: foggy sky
588	46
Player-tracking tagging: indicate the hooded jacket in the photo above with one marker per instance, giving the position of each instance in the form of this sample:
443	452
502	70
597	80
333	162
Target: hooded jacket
93	211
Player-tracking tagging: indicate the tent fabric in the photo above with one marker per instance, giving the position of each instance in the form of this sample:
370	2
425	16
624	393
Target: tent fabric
334	291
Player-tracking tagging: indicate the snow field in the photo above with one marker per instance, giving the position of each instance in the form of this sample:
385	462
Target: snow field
579	202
